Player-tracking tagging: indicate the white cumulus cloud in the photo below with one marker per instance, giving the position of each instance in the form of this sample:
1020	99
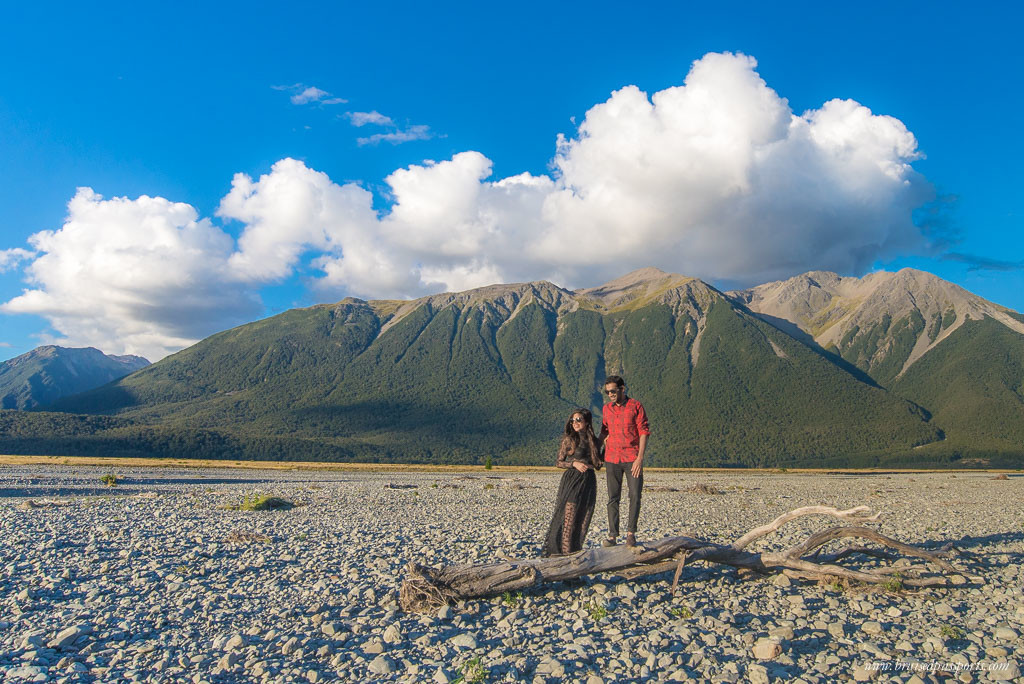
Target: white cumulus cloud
295	211
9	258
716	177
141	276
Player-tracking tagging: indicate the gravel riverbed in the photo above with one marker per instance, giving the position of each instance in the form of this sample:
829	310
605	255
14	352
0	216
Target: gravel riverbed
153	580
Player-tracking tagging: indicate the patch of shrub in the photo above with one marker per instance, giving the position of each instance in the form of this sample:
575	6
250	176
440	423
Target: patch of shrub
261	502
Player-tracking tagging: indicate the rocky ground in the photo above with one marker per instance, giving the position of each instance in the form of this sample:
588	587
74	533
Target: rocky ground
153	580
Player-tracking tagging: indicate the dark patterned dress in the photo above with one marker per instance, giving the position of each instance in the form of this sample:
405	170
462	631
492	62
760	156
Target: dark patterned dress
574	503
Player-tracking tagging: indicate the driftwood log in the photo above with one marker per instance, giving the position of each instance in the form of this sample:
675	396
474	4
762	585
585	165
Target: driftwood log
426	589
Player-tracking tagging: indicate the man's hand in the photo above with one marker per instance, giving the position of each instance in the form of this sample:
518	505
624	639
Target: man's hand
638	464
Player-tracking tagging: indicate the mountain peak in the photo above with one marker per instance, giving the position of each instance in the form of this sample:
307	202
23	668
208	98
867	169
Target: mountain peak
46	373
643	284
863	317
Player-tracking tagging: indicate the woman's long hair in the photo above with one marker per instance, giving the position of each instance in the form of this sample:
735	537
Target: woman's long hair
572	438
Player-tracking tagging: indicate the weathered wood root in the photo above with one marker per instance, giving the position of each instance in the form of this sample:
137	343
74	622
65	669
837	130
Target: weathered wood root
426	589
420	592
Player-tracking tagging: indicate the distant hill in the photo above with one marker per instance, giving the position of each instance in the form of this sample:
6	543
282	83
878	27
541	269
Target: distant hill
926	340
47	373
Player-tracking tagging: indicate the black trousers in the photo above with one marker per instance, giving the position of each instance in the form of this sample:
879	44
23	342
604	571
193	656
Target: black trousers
614	473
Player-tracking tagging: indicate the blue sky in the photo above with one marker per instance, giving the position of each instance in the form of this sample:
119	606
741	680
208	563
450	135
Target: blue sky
457	102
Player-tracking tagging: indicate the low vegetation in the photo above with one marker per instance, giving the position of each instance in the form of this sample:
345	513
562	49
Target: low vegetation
511	600
597	609
261	502
472	672
683	612
894	583
948	631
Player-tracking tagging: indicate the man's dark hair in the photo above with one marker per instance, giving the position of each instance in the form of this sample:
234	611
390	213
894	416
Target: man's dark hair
614	379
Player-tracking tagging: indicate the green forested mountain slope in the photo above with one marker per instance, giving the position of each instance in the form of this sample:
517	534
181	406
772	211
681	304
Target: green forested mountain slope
973	383
494	372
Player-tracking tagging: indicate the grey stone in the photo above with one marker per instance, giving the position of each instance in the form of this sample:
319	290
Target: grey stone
392	635
373	646
463	640
872	627
1004	671
228	661
1005	633
766	649
383	665
290	646
332	628
757	674
33	639
236	642
67	636
551	667
27	672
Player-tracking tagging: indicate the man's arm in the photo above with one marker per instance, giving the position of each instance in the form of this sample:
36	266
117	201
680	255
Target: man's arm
638	464
644	430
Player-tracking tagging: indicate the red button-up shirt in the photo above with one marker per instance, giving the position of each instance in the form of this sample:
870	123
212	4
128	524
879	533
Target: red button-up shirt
621	427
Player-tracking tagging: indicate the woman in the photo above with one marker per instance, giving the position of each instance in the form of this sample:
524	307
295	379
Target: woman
580	455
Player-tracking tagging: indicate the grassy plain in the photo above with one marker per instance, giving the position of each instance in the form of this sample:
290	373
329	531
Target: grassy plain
14	460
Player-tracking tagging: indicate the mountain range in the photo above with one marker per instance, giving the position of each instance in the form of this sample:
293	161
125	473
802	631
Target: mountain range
890	369
48	373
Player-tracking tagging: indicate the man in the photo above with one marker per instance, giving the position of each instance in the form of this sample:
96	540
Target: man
624	431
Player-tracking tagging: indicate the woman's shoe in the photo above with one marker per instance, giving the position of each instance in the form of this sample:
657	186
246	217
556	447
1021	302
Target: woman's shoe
608	541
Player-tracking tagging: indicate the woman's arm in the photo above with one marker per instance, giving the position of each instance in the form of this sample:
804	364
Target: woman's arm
564	459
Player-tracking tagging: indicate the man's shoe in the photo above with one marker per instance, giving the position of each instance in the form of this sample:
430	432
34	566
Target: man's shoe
608	541
630	539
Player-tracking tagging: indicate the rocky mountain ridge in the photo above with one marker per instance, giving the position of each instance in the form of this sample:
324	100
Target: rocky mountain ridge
860	318
45	374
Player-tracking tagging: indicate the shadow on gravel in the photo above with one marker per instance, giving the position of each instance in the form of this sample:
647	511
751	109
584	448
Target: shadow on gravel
197	480
989	539
57	492
32	492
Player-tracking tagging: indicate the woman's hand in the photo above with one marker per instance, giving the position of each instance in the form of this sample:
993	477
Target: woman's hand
580	466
